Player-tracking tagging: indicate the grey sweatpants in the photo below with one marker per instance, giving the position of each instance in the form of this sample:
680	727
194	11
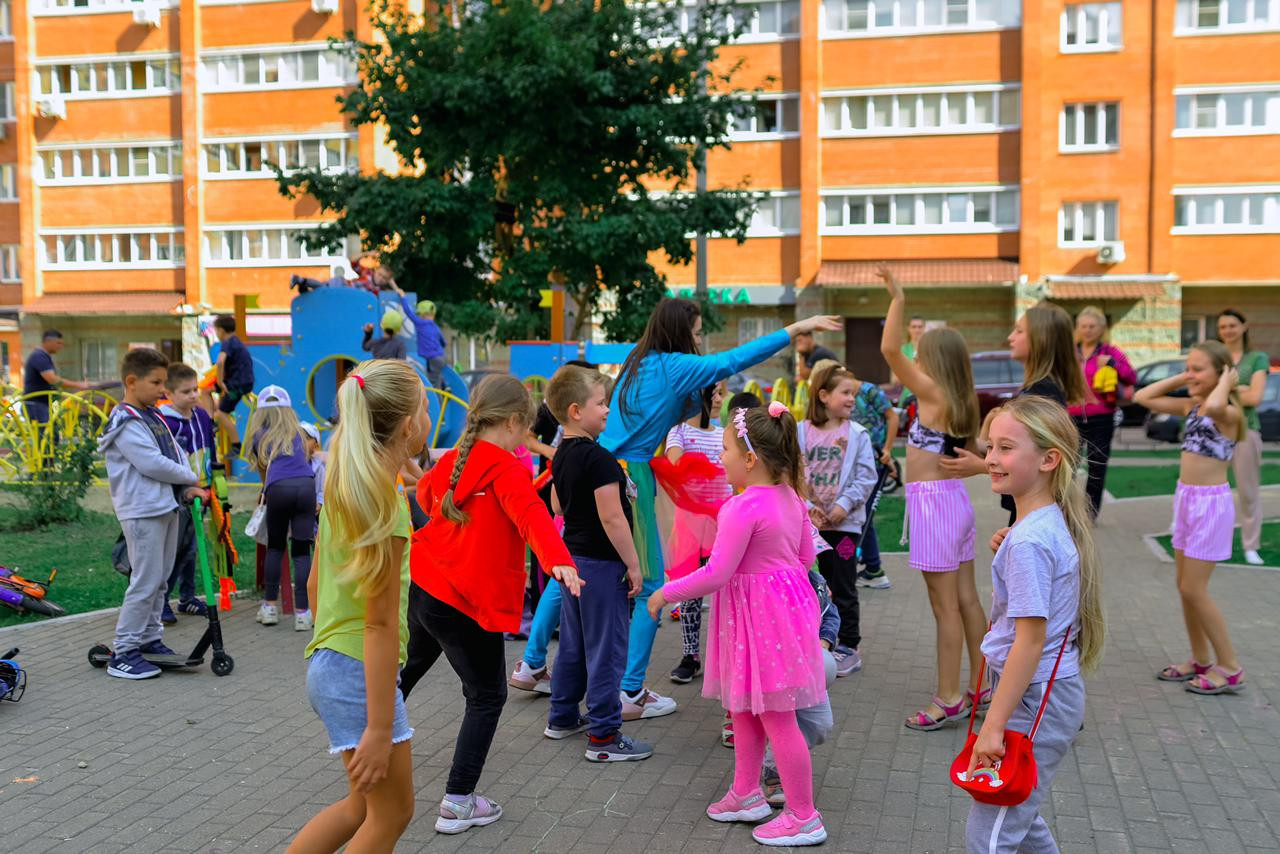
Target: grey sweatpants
153	545
1004	830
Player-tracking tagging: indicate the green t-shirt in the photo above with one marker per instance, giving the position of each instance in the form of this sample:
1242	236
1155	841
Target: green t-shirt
908	350
1250	364
339	608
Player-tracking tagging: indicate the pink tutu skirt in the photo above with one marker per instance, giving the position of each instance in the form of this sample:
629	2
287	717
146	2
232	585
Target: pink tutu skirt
763	653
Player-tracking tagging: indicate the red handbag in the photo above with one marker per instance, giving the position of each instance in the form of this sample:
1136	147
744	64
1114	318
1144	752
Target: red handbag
1014	777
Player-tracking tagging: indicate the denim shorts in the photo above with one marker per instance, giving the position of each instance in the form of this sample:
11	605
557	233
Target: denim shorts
335	686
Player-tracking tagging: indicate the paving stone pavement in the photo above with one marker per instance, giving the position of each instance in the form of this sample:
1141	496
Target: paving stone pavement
190	762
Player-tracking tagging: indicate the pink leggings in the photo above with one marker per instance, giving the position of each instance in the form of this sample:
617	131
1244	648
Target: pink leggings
750	735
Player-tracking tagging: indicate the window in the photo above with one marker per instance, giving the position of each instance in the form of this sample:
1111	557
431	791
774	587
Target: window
155	75
9	264
1233	210
1239	111
1091	28
80	7
263	246
1085	224
142	162
944	210
6	102
253	158
748	21
754	328
919	112
107	249
1089	127
776	215
98	359
1198	17
312	65
6	19
8	183
908	17
768	117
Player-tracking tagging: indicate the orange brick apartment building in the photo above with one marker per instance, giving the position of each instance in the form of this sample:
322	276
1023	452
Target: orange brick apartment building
1120	153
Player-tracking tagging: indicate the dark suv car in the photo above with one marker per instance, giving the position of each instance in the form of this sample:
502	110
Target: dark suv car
1151	372
996	377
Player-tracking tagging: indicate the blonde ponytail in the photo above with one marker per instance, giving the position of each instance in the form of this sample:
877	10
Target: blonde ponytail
361	504
497	399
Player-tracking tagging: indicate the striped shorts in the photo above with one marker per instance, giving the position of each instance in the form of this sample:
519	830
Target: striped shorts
940	525
1204	521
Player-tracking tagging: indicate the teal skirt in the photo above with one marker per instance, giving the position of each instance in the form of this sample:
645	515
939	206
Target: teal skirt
646	528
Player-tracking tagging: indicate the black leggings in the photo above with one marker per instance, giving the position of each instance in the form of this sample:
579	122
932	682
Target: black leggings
1096	433
839	566
291	516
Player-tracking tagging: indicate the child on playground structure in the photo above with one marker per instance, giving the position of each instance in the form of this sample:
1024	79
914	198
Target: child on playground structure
389	345
763	657
276	450
192	427
235	378
1046	614
590	491
360	590
431	343
1204	515
147	473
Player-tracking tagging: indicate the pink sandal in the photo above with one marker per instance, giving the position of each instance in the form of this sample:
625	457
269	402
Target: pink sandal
1234	685
982	698
922	721
1175	673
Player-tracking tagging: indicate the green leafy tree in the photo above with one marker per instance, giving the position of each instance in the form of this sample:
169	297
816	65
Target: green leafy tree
532	138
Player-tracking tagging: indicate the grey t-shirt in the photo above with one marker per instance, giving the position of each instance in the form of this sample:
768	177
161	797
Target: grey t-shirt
1036	573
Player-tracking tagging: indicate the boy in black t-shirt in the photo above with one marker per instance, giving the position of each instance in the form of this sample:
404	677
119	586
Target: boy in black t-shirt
590	491
235	377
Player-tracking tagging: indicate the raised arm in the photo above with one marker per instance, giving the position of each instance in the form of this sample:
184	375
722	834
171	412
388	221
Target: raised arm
1218	405
1156	397
691	372
906	370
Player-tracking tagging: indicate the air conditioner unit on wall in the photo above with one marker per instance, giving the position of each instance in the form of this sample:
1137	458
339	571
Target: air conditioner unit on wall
52	107
147	14
324	7
1111	253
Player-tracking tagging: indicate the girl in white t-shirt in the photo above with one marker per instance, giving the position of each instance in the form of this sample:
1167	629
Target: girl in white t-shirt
692	534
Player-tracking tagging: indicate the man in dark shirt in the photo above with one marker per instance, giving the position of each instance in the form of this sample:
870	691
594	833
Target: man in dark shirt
40	376
235	377
810	353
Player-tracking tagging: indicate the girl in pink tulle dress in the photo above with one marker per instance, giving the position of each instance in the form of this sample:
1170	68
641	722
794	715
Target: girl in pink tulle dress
764	659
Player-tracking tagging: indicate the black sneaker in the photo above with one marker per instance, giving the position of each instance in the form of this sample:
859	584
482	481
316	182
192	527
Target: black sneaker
167	616
193	606
158	649
131	665
618	749
689	667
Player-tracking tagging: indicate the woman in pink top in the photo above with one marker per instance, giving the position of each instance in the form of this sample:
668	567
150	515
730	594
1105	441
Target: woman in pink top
764	660
1096	417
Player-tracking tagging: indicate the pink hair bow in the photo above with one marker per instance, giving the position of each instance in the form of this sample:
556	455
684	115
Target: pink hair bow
777	408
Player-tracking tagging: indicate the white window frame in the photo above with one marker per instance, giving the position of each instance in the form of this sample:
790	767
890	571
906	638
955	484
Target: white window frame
9	269
217	65
1079	212
53	8
1080	12
1187	19
781	102
779	203
916	201
159	153
1101	124
101	351
688	11
7	95
8	182
6	20
231	152
216	246
1187	100
919	17
913	98
756	327
77	242
1246	196
118	83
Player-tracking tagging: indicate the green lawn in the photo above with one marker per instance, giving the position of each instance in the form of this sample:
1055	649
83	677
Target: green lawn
81	552
1173	452
888	522
1136	481
1270	550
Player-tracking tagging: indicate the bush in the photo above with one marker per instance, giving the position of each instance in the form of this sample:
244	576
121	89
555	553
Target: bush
53	494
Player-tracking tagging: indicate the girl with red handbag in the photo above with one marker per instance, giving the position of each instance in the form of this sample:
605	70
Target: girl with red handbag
1046	629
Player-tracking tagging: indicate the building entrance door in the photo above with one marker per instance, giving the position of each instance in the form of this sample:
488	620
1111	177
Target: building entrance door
862	349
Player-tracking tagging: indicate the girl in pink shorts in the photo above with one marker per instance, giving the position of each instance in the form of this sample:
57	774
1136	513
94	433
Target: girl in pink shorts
1203	512
939	515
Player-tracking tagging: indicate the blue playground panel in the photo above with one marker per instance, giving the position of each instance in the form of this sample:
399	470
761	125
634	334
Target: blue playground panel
327	332
543	358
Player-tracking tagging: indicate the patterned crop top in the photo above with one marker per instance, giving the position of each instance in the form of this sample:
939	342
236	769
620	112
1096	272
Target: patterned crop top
933	441
1201	436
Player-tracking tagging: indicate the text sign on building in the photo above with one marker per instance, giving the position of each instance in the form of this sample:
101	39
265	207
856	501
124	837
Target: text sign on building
719	296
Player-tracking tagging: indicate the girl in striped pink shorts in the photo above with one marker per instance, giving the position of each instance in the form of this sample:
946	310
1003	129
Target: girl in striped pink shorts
1204	515
939	515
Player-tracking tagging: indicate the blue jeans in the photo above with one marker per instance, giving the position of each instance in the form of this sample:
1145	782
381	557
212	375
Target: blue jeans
545	619
870	549
593	638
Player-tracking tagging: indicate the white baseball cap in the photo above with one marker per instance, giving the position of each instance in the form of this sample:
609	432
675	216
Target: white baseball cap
272	397
311	430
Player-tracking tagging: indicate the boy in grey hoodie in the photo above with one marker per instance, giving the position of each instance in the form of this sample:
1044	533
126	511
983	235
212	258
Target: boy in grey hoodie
148	475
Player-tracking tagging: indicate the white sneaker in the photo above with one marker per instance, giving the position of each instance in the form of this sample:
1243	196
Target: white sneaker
1253	558
302	621
268	615
526	678
649	704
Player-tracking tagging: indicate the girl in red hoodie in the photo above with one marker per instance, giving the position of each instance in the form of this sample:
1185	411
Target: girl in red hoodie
468	573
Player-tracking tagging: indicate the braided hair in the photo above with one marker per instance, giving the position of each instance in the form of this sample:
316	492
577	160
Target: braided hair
497	399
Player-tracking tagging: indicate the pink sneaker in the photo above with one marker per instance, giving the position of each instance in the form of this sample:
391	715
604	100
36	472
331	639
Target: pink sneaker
732	807
787	831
